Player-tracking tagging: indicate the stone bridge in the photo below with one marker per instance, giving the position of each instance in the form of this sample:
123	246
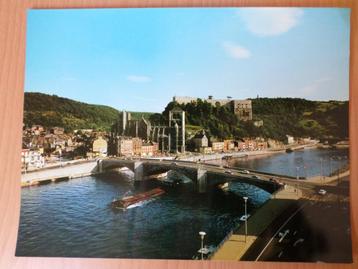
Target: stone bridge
202	174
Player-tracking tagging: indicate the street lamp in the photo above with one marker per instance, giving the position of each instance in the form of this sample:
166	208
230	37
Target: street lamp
321	170
297	169
245	199
60	153
202	235
339	169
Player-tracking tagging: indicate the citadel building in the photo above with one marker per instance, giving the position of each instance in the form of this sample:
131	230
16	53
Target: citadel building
242	108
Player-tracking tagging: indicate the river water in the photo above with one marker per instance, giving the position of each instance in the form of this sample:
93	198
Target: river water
75	219
304	163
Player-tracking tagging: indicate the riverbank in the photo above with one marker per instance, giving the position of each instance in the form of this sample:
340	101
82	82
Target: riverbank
323	180
53	174
234	154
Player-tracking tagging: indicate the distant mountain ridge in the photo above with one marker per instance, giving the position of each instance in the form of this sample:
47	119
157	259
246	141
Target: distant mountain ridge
281	116
52	110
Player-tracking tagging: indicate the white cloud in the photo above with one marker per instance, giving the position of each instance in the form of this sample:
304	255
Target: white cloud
236	51
270	21
139	79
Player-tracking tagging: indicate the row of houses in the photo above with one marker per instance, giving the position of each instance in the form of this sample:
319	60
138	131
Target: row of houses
133	146
32	159
202	144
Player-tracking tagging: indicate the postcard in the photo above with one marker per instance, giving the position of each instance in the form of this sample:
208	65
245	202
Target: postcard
187	133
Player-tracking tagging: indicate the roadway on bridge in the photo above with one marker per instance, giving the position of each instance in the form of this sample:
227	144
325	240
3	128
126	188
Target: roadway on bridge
233	172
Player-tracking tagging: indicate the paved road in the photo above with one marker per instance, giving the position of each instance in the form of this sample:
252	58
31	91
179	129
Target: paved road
313	231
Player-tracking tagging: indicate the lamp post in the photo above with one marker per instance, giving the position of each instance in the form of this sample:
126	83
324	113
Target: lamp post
321	170
339	169
245	199
202	235
297	174
60	152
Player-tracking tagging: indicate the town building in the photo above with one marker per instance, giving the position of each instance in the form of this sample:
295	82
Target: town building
100	147
149	149
200	140
261	145
124	146
274	144
137	146
241	145
217	146
32	159
229	145
37	129
290	139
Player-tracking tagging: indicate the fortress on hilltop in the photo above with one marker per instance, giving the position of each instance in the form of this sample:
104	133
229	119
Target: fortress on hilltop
241	108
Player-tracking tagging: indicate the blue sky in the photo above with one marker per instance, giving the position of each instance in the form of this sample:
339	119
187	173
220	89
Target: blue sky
138	59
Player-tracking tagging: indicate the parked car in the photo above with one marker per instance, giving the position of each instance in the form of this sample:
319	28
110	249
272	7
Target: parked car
244	217
322	192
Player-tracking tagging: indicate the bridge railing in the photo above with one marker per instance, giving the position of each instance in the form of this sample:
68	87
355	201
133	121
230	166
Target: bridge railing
238	169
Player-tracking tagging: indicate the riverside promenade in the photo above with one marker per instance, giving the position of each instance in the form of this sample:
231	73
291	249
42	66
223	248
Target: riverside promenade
234	246
53	174
234	154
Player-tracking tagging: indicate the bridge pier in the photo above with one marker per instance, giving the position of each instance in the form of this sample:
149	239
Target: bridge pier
138	171
99	166
202	180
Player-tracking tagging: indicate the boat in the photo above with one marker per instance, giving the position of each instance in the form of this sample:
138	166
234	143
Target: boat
131	200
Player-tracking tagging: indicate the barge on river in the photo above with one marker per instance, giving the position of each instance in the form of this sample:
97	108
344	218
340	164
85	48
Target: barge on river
131	200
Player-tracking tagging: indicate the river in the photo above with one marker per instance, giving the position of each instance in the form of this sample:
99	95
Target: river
75	219
304	163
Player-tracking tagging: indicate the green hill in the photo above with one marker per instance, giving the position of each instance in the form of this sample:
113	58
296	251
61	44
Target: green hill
300	117
52	110
281	116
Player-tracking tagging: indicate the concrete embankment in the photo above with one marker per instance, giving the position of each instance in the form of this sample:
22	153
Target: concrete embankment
234	245
58	174
219	156
322	180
